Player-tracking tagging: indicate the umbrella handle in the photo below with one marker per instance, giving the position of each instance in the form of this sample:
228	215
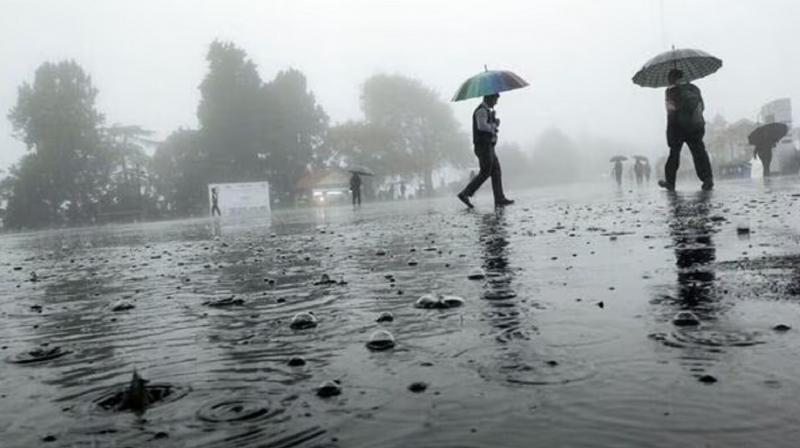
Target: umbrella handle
674	59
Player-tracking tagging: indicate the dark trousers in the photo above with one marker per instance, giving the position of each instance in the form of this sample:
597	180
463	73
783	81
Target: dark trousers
356	196
489	167
676	137
215	209
766	158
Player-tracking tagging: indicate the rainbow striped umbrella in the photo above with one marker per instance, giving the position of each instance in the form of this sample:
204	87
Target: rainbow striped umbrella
487	83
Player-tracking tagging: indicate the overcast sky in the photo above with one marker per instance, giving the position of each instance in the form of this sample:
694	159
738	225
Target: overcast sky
146	57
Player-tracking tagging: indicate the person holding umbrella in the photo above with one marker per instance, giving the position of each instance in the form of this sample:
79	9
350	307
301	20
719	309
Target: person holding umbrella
764	138
640	168
764	153
684	102
485	125
355	188
685	124
638	171
616	170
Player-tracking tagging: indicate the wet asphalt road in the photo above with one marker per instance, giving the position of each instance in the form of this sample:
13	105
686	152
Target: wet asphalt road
568	339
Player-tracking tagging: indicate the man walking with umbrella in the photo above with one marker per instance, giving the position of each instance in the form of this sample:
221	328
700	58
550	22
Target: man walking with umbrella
685	124
355	188
638	171
764	154
484	129
616	170
484	137
764	138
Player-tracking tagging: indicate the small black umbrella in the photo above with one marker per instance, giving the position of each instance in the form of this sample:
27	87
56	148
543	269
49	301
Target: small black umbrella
694	64
641	158
362	170
618	159
768	135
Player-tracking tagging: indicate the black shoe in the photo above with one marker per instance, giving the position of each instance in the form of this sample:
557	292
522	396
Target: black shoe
465	199
708	185
663	184
503	202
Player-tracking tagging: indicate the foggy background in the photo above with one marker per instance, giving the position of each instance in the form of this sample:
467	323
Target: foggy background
147	58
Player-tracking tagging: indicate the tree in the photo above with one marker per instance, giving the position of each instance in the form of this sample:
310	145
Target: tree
129	190
57	119
425	131
356	143
251	130
27	204
181	173
360	143
232	114
294	130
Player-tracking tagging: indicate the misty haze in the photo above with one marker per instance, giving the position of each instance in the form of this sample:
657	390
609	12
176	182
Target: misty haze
374	223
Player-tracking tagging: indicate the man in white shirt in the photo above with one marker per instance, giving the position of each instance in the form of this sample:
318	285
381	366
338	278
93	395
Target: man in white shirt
484	138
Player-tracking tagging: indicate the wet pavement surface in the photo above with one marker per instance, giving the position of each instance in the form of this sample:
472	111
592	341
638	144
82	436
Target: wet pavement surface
584	316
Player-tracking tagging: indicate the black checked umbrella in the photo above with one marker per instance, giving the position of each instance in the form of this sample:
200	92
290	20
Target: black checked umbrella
694	64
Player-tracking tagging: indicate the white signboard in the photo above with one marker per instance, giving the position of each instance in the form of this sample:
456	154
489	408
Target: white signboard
239	198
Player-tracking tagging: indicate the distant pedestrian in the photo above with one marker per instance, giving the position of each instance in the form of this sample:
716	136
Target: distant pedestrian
355	188
638	172
402	190
215	202
646	168
685	124
617	171
484	138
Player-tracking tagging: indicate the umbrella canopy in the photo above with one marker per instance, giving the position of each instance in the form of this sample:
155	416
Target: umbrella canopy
362	170
488	83
641	158
618	159
768	135
695	64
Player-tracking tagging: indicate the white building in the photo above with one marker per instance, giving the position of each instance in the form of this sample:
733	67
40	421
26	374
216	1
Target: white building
784	156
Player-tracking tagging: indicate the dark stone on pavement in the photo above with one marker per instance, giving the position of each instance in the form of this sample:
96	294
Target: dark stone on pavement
226	302
381	340
296	361
418	387
707	379
329	389
385	317
685	319
303	320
